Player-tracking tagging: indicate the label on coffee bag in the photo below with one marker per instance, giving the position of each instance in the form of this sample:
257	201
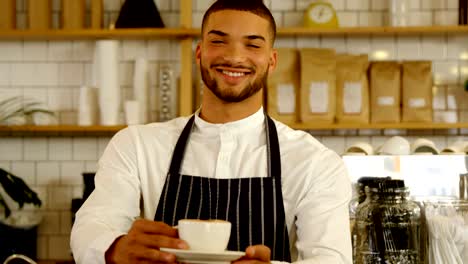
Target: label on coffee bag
352	98
385	100
417	102
286	99
318	97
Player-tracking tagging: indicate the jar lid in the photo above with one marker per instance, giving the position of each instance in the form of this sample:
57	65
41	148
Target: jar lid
371	182
390	186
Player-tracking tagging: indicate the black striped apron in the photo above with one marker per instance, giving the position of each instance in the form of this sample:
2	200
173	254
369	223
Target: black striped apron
254	206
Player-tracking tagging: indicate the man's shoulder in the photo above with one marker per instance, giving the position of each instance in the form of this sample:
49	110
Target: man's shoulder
154	129
176	124
297	140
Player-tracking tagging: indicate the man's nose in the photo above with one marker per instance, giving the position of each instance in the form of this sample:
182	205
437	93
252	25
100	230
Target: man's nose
234	53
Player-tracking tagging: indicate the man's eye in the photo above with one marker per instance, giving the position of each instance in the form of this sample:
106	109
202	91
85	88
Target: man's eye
217	41
253	46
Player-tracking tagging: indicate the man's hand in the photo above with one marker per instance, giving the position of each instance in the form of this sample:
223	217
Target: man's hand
142	243
258	254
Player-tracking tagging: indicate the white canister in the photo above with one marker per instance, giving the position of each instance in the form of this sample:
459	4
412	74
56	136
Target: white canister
399	13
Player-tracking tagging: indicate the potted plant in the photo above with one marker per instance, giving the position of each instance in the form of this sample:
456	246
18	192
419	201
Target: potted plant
19	110
18	226
17	190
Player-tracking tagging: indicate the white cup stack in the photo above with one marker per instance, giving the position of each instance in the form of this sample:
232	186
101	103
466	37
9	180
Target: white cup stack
88	112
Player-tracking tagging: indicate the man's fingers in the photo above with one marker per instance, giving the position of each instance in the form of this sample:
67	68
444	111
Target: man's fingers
152	227
159	241
258	252
153	255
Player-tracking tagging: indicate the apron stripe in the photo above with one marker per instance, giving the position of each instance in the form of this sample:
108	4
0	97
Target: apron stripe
262	205
237	216
228	199
250	211
217	199
201	198
209	195
176	200
166	190
273	250
189	198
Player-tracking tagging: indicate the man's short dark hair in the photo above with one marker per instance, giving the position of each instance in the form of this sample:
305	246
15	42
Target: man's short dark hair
256	7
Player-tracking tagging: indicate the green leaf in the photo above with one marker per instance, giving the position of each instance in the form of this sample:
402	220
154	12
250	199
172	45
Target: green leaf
18	190
7	209
19	107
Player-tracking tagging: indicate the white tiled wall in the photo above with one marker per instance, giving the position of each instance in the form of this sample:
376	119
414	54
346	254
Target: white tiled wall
53	71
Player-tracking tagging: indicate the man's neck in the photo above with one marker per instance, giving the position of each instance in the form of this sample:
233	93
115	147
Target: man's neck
217	112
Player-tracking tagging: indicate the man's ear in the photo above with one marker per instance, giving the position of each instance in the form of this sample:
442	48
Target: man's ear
273	61
198	53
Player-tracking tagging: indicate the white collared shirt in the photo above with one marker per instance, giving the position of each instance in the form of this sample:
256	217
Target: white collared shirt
132	173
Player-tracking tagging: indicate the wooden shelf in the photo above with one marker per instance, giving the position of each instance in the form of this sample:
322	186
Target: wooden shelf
411	126
428	30
86	34
71	130
150	33
62	130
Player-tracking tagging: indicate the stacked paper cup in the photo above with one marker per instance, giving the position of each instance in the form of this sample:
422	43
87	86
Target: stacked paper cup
399	15
141	88
107	79
88	106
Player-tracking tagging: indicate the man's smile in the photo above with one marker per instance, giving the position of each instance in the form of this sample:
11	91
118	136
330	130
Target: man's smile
233	73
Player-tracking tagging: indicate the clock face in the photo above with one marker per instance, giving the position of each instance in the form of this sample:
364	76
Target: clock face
321	13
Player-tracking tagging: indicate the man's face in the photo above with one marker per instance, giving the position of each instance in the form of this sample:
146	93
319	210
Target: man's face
235	54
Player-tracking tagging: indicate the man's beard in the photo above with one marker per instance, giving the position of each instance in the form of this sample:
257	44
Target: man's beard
230	96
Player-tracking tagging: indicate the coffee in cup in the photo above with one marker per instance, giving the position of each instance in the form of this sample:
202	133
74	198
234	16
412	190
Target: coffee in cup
205	235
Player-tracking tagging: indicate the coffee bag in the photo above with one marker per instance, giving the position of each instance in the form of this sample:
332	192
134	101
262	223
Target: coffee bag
352	89
417	91
318	86
283	87
385	87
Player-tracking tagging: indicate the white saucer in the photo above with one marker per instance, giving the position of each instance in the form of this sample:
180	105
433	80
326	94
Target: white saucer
199	257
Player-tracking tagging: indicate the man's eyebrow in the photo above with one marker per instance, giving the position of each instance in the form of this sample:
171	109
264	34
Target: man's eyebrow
217	32
224	34
253	37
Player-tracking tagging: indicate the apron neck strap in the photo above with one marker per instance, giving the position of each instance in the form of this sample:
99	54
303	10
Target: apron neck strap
179	150
273	151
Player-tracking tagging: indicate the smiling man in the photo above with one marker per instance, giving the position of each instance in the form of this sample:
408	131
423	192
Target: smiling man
285	194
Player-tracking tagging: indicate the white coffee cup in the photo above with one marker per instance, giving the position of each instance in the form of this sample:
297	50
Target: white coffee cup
424	146
457	148
395	145
360	148
205	235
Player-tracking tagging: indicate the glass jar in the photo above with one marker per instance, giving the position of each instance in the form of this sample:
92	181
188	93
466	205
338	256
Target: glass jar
361	190
388	226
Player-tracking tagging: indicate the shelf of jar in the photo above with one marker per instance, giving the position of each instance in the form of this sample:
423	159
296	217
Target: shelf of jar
150	33
74	130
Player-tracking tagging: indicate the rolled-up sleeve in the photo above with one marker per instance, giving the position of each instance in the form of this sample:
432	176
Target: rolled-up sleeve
114	204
